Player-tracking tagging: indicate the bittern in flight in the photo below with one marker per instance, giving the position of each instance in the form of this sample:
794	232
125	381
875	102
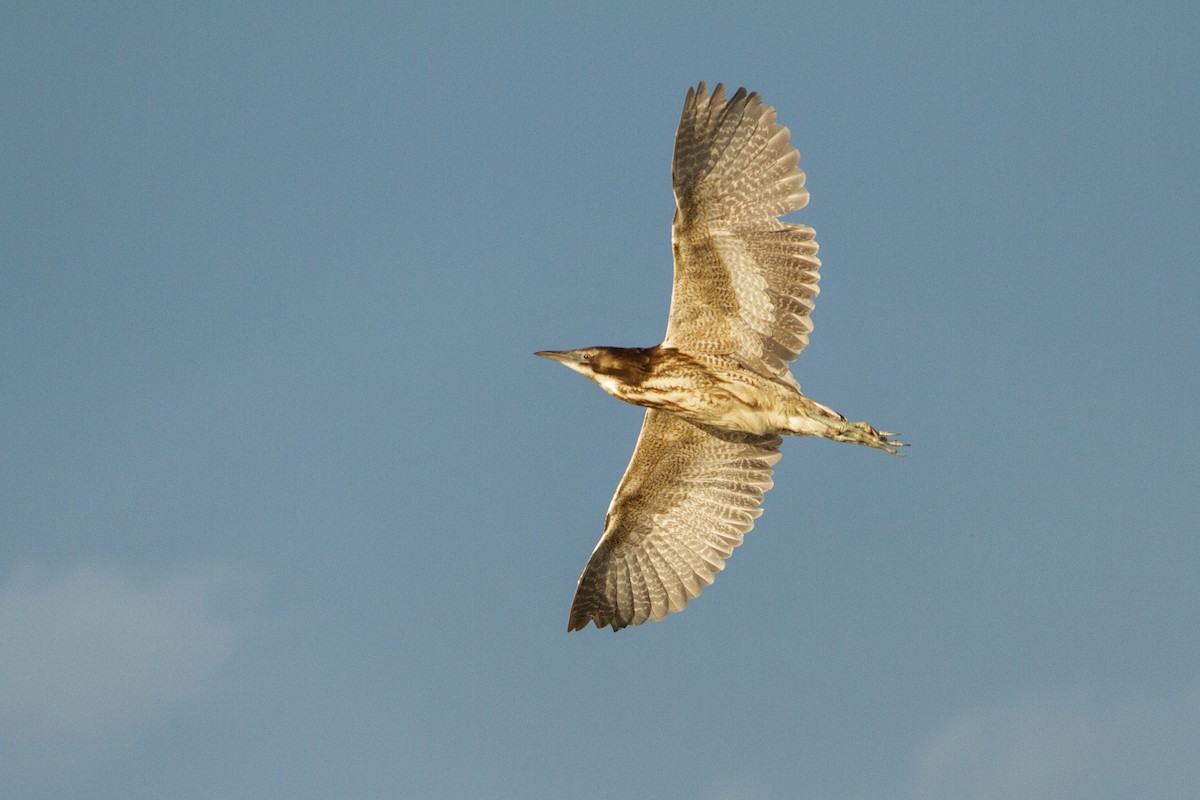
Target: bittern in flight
718	391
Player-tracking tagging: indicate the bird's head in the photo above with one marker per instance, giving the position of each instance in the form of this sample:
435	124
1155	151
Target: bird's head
627	365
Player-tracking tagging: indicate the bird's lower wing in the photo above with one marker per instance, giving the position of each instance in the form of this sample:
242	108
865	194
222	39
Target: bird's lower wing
687	498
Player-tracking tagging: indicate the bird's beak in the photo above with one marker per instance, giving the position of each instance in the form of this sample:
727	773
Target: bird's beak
565	356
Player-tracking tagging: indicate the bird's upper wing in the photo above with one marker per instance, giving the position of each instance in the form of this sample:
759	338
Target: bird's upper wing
688	496
744	281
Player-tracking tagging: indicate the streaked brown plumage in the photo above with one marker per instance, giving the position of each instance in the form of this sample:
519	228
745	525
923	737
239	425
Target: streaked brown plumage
718	389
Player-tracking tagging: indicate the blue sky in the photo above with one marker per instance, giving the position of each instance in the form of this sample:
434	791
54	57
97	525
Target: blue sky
291	511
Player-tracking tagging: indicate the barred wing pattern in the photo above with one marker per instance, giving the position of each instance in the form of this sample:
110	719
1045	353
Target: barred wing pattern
744	281
687	498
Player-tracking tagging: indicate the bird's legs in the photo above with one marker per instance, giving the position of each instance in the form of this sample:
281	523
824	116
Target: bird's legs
817	419
862	433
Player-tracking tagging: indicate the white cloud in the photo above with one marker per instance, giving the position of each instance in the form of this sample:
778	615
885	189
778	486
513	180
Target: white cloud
1069	744
90	651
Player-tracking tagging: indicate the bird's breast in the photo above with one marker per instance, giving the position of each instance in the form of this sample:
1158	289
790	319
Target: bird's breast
720	396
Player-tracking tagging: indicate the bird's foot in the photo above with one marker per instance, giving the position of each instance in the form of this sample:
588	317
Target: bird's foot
862	433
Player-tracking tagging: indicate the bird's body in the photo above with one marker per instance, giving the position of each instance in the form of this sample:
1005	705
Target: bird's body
718	388
714	390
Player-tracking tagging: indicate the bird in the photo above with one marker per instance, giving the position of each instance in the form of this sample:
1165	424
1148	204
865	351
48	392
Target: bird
718	391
